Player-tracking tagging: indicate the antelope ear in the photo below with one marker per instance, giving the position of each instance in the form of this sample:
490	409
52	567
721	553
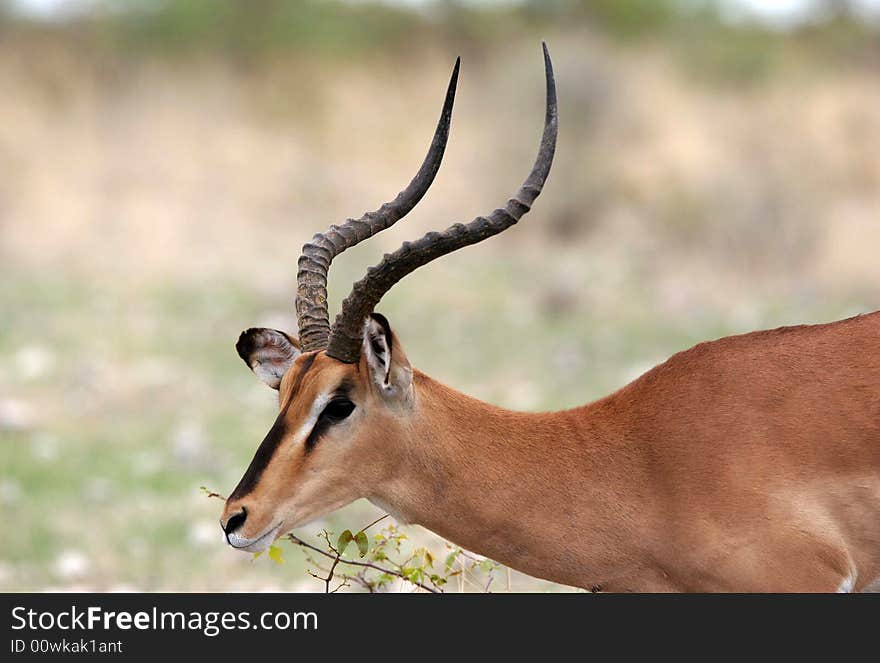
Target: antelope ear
385	359
268	353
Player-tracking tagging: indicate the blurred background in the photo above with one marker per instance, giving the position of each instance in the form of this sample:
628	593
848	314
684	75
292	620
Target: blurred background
161	163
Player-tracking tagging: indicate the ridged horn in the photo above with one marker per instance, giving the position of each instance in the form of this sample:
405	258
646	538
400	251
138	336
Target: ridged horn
314	262
347	333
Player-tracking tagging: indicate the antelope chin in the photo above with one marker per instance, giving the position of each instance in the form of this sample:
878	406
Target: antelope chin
255	545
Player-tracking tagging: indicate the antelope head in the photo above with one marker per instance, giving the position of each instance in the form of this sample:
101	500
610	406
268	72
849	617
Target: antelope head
347	401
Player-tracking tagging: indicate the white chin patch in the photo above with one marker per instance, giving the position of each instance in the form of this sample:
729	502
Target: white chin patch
257	545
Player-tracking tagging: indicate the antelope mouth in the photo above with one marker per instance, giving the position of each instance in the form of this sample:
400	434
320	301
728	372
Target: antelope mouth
254	545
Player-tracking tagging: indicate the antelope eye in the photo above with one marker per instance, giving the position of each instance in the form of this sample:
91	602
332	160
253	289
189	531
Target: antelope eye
337	409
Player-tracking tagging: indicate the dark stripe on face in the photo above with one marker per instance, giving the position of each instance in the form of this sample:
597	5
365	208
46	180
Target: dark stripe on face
324	423
271	442
320	428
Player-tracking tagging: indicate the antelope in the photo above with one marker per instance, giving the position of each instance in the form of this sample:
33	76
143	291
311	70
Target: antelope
748	463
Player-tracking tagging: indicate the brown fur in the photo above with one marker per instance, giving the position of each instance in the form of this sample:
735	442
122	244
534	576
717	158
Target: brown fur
750	463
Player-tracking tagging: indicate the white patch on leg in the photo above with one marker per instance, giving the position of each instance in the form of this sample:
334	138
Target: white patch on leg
847	585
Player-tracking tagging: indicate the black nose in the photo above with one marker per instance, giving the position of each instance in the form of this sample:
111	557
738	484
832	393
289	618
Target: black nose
235	521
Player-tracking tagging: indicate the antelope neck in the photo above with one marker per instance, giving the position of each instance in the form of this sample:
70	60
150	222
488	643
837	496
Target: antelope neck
495	481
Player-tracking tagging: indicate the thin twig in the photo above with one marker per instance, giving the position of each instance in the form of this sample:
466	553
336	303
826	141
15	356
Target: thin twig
366	584
336	557
378	520
330	575
295	539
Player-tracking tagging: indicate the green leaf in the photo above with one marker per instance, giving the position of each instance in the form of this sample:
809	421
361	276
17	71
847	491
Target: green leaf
451	557
429	558
275	554
344	539
256	555
363	543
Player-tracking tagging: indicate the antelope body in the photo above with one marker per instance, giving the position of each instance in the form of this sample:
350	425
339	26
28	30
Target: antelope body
750	463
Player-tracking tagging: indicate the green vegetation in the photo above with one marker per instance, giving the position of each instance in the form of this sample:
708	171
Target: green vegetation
710	47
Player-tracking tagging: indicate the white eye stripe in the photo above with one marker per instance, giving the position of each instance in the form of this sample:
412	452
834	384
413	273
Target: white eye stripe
318	406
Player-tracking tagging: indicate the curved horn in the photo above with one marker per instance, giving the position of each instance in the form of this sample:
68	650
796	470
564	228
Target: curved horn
348	329
314	263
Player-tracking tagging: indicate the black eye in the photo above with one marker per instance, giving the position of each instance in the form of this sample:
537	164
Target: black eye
337	409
